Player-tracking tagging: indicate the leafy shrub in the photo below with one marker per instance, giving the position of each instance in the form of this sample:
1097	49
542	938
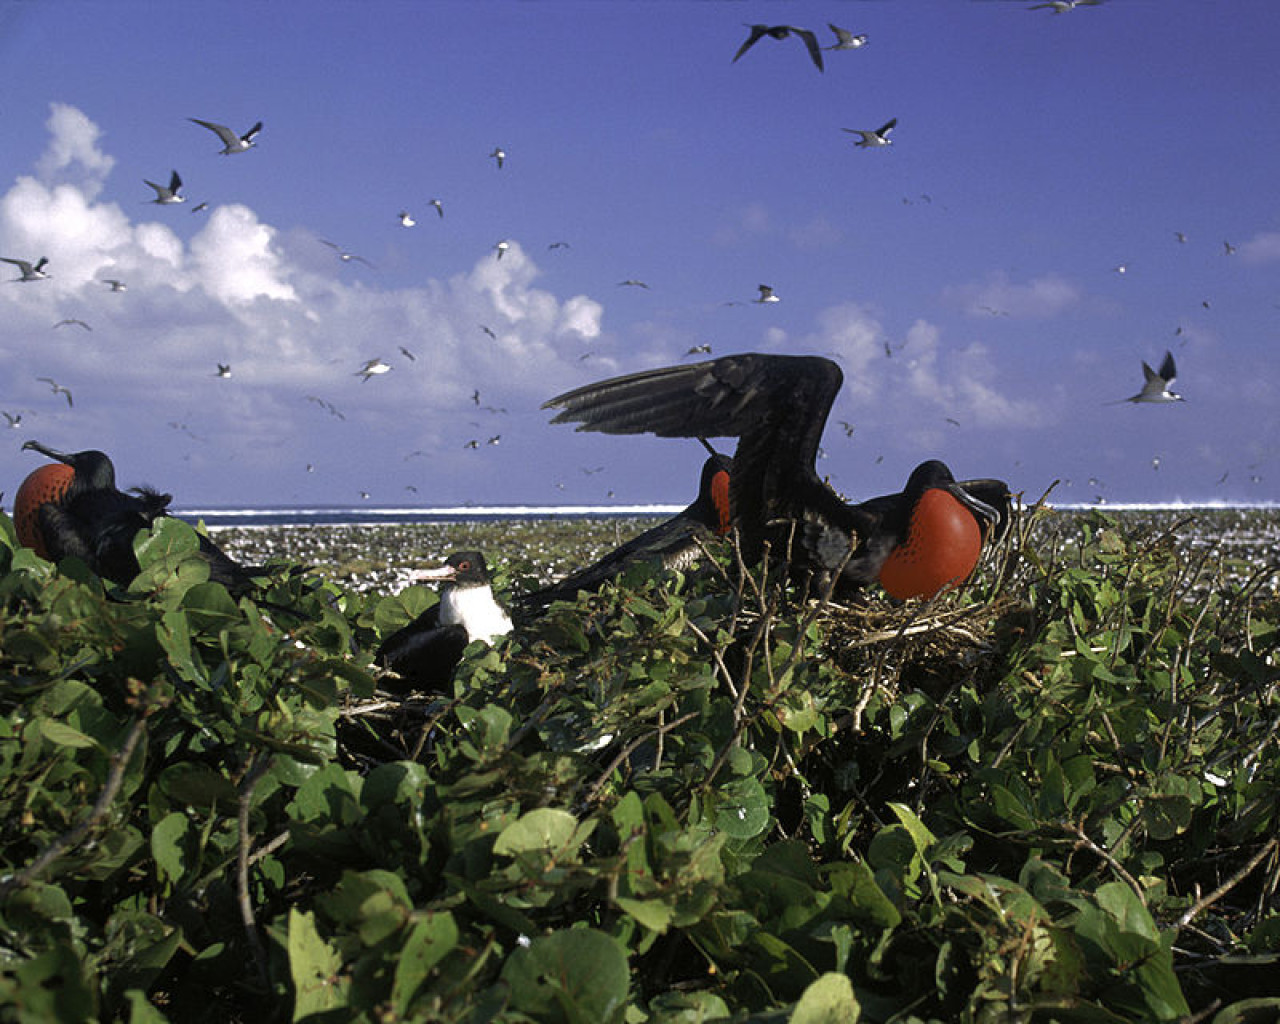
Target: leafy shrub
1051	796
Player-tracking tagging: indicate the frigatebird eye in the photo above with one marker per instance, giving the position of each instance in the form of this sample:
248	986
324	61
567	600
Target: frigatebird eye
464	564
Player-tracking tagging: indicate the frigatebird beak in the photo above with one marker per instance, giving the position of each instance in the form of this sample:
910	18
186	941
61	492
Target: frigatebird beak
47	451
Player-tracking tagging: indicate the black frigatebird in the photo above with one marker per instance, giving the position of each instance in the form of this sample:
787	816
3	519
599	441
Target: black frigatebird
74	508
916	542
673	544
426	651
758	32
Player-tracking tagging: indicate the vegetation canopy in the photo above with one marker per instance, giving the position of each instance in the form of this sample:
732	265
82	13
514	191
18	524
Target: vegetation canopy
1048	796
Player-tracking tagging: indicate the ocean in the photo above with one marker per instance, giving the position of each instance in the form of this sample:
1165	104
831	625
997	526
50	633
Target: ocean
337	515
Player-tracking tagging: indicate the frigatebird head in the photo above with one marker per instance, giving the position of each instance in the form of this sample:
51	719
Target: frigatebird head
93	469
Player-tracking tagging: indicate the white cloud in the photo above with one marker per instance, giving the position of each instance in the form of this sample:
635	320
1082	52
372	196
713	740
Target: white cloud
234	258
1261	248
290	324
73	147
1043	296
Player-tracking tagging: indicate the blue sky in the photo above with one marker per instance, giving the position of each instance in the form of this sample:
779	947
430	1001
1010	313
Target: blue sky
965	277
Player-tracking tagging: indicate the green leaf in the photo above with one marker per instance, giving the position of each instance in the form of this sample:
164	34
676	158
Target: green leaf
315	967
828	1000
544	829
582	973
430	941
63	735
166	845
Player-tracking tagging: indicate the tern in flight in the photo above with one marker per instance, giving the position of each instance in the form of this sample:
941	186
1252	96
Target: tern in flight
846	40
1155	387
231	142
167	195
871	139
30	271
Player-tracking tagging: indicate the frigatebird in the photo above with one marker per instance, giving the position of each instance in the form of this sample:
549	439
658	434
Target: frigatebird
672	544
916	542
73	508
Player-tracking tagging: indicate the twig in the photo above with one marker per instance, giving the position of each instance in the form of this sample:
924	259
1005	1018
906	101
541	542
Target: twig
74	836
629	749
1084	842
1206	901
258	768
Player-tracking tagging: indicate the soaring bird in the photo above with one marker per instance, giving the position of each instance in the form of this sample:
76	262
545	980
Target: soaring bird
343	254
58	389
231	142
758	32
372	368
438	205
846	40
499	155
1155	387
426	652
1062	6
167	195
30	271
916	543
406	219
878	137
74	508
72	322
672	544
114	285
766	294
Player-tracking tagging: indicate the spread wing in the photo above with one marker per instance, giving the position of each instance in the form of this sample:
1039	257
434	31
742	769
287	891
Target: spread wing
776	406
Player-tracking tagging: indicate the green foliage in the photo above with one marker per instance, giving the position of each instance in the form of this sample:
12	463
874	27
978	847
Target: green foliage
1052	796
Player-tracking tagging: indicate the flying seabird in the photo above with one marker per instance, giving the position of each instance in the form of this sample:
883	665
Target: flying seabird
57	389
489	331
224	370
438	205
167	195
766	294
343	254
1155	387
501	247
916	543
699	350
631	282
846	40
72	322
231	142
30	271
758	32
114	285
499	155
74	508
372	368
14	419
406	219
199	207
426	652
1062	6
408	355
878	137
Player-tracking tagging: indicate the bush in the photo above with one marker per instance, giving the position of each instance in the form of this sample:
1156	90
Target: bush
1051	796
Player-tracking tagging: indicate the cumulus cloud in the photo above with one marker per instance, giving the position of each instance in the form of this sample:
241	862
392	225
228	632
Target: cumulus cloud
237	291
1043	296
1262	248
73	151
